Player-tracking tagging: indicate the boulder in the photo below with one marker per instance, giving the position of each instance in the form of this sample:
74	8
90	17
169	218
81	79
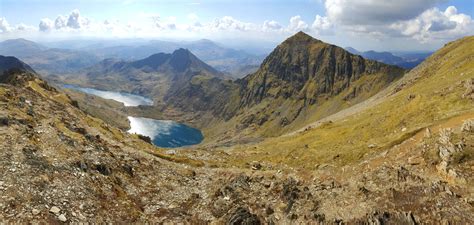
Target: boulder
242	216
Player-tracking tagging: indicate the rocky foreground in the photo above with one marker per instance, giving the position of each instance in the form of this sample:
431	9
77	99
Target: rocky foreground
61	165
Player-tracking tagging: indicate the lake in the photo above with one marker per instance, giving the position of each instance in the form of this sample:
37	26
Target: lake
163	133
126	98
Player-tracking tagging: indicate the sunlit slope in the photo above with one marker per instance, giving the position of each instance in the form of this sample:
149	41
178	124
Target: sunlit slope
436	90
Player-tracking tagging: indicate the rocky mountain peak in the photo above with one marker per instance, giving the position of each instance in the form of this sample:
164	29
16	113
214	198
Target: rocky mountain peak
10	62
181	59
301	37
14	71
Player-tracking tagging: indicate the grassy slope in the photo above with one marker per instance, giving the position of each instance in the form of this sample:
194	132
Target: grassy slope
437	86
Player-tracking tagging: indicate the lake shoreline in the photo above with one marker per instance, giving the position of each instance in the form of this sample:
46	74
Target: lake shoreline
163	133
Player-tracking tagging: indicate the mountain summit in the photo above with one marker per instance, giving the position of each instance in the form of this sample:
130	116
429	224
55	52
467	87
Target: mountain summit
152	76
305	79
307	69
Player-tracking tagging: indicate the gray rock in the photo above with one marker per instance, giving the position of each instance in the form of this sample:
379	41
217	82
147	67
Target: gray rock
54	210
242	216
256	166
468	126
35	212
62	218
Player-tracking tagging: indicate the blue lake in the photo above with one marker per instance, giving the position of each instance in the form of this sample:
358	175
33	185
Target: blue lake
126	98
163	133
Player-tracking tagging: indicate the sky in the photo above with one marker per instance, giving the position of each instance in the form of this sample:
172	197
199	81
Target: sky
392	25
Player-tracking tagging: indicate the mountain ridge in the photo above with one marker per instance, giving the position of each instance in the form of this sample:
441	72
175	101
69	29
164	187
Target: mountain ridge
406	160
407	61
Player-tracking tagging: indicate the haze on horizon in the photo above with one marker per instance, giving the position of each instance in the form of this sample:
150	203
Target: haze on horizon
404	25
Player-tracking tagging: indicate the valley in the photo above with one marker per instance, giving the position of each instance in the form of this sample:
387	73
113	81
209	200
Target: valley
314	135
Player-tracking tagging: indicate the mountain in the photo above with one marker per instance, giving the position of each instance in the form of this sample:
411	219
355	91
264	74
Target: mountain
224	59
20	47
69	57
403	156
9	62
45	60
154	76
407	61
301	81
305	79
398	150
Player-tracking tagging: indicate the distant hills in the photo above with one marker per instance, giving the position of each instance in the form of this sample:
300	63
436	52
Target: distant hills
153	76
303	79
46	60
60	60
405	60
353	141
233	62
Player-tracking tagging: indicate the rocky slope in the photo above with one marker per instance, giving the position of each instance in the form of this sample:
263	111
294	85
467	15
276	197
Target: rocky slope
301	81
405	159
9	62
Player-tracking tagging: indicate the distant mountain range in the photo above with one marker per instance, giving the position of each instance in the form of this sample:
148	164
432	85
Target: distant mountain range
227	60
57	61
154	76
354	141
303	78
47	60
405	60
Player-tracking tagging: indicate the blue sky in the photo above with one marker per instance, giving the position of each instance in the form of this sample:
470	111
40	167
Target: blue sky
364	24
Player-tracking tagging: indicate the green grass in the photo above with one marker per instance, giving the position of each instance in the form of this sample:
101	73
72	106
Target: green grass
437	93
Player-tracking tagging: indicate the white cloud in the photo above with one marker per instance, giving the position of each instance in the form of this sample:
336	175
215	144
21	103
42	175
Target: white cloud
168	23
297	24
46	25
60	22
4	26
229	23
436	24
374	12
322	25
271	25
379	20
76	21
193	17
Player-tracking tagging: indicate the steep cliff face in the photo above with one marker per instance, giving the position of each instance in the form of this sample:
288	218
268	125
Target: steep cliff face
305	68
301	81
305	79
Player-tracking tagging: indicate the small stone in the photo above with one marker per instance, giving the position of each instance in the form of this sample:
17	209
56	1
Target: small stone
256	166
427	133
171	152
452	173
468	126
372	146
415	160
449	192
35	212
442	167
404	129
54	210
62	218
